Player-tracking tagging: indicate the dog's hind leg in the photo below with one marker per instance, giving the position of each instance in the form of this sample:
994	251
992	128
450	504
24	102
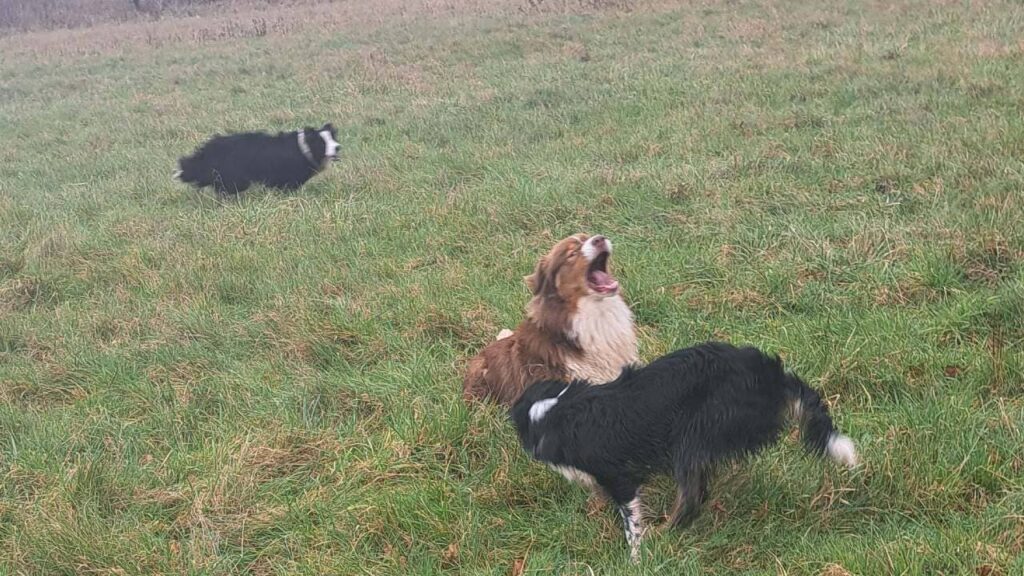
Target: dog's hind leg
692	491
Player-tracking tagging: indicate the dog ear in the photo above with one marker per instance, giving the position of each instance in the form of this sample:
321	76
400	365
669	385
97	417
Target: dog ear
535	282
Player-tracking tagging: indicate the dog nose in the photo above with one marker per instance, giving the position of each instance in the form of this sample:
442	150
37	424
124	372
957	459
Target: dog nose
599	242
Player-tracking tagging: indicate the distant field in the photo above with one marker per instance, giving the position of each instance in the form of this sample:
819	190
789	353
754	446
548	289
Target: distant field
272	385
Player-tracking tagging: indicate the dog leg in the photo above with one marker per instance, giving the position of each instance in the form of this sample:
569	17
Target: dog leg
692	490
625	492
633	526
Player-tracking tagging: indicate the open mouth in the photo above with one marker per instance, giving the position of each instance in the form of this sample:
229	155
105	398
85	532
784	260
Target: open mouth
598	278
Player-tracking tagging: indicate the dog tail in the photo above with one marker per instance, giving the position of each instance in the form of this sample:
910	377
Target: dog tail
817	431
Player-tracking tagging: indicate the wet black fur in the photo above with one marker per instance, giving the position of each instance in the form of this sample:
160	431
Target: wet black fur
231	163
680	415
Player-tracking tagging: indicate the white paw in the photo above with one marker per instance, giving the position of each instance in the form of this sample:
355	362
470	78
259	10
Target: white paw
842	450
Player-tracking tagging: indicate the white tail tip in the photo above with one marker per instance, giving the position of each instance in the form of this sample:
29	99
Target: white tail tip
176	175
841	449
505	333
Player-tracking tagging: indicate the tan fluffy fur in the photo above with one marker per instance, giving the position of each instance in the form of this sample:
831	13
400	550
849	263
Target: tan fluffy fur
569	332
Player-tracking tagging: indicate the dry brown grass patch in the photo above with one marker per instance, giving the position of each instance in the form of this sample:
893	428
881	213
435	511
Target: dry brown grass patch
379	69
877	245
57	391
288	455
219	21
745	298
160	497
909	291
114	333
466	329
303	330
991	259
29	484
835	570
181	377
576	51
753	29
222	509
19	293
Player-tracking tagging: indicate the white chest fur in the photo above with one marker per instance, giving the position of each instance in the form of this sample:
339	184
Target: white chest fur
603	328
573	475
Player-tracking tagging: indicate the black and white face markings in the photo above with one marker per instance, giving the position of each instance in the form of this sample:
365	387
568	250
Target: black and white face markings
632	521
330	145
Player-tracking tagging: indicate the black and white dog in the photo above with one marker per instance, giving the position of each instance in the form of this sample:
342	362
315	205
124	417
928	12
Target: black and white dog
680	414
232	163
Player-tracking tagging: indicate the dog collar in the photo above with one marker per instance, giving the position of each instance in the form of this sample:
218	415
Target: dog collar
306	152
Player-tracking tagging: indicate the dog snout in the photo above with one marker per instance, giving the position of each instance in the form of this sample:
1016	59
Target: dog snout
600	243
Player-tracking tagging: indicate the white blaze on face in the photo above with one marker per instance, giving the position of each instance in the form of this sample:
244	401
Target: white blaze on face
589	252
330	145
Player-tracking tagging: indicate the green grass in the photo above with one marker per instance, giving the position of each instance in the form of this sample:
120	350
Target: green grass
272	385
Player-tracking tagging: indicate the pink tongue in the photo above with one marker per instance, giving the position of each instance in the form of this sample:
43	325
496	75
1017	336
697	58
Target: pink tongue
601	280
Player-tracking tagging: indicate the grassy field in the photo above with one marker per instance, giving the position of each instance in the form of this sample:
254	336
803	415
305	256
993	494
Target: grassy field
272	385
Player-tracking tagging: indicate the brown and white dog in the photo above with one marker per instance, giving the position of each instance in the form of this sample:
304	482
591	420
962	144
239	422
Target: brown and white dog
577	326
